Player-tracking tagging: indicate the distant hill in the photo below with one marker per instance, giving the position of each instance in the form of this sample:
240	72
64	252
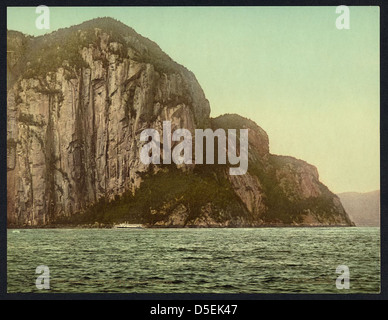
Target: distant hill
362	208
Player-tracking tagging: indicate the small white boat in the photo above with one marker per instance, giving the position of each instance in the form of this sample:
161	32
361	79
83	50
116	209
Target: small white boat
128	226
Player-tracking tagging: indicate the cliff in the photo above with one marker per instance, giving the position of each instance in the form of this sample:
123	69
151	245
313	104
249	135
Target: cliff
77	101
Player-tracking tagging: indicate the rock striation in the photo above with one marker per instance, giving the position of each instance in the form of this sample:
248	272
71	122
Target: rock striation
77	101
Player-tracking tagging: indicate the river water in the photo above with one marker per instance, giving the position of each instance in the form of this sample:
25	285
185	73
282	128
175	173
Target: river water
254	260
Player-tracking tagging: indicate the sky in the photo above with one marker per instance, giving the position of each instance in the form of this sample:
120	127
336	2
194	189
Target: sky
313	88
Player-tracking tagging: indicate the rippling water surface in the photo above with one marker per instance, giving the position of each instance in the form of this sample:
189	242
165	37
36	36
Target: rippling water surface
262	260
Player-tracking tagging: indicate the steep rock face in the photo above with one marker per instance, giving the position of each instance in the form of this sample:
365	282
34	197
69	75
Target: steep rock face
73	141
280	190
73	137
16	49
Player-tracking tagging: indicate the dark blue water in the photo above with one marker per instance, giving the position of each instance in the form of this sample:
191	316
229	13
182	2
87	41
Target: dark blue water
263	260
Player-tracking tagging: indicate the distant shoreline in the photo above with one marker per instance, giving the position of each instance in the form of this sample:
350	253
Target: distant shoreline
185	227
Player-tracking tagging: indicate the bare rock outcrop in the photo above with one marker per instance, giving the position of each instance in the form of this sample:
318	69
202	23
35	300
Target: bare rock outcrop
77	101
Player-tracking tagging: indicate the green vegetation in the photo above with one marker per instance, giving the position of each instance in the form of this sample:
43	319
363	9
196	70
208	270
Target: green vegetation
234	121
167	189
282	208
17	44
47	54
38	56
163	192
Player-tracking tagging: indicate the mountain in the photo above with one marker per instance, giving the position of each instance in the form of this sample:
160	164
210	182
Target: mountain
363	208
77	101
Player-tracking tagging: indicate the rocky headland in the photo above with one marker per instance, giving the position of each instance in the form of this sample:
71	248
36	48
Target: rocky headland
77	101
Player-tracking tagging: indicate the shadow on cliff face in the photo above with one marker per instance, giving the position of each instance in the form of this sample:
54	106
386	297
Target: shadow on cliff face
77	100
276	190
172	197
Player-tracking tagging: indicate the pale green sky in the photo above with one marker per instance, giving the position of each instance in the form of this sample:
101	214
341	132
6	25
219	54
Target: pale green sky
314	89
